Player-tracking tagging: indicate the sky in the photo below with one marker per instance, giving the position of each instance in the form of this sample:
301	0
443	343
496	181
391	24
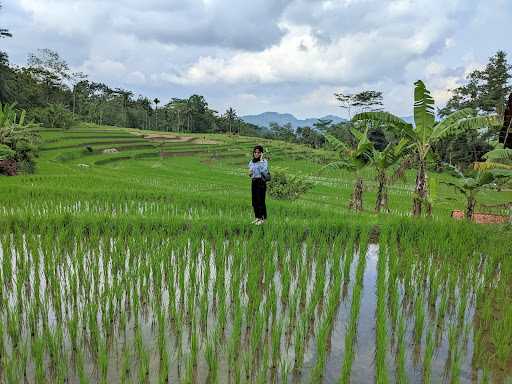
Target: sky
287	56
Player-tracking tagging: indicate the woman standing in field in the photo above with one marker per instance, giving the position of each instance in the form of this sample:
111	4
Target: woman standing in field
258	171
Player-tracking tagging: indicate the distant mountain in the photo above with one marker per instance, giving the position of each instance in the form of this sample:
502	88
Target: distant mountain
264	119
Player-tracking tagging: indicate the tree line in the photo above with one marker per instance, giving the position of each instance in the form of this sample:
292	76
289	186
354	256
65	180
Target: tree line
57	97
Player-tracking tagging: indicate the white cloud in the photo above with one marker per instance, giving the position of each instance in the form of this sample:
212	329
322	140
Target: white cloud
285	55
229	23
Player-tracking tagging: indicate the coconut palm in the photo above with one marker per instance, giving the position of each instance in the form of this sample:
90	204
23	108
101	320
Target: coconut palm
470	186
231	117
156	101
424	133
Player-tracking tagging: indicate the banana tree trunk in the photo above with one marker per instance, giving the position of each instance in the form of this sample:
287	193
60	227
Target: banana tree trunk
506	132
470	207
382	192
421	191
356	201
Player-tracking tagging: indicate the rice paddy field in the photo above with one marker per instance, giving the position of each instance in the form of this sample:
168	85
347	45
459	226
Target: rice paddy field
129	257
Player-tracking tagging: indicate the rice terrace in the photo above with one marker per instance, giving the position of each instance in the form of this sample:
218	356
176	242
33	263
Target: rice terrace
128	254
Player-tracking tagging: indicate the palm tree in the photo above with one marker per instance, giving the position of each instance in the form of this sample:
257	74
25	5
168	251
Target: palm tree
125	99
470	186
354	159
156	101
426	132
231	118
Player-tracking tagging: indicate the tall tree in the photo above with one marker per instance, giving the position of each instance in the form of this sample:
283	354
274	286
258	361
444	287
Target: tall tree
425	133
283	132
309	136
178	109
5	72
5	76
486	89
125	98
156	101
230	117
496	77
50	69
197	114
364	101
76	79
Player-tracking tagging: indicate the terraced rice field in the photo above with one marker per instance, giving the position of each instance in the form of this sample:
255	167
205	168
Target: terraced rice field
141	267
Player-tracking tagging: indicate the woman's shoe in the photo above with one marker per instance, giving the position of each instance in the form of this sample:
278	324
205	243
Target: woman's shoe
255	221
260	222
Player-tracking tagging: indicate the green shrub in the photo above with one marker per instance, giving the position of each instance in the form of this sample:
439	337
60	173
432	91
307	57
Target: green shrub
6	153
287	187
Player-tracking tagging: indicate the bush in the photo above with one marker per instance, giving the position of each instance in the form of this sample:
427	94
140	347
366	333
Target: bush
54	116
6	153
287	187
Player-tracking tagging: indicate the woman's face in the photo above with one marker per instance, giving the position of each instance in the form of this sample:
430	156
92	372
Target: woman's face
257	153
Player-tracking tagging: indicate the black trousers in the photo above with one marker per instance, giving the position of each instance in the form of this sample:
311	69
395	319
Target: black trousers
259	189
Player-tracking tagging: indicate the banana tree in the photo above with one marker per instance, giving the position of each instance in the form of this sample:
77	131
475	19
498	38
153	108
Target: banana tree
470	186
382	161
499	163
497	159
354	159
17	135
366	155
424	133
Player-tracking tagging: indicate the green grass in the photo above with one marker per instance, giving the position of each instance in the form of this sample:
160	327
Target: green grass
146	269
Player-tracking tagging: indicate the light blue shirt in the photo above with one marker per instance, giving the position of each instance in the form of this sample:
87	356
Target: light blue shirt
258	168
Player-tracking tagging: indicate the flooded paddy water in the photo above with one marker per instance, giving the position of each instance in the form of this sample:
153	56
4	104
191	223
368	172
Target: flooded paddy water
261	309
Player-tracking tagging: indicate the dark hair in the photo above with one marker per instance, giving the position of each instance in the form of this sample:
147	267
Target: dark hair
258	147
